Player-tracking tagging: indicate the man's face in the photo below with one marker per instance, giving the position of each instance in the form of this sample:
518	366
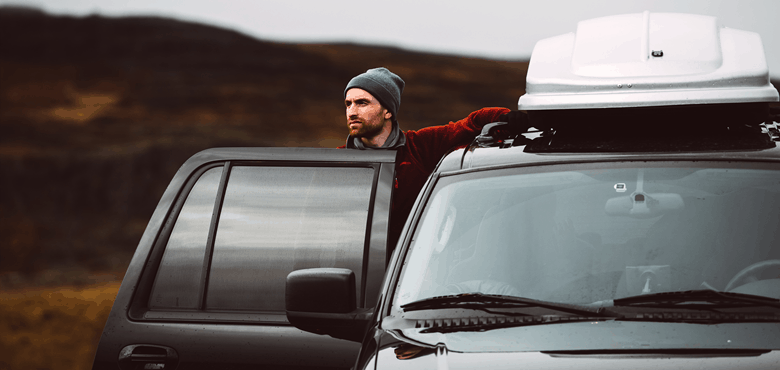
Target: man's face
365	116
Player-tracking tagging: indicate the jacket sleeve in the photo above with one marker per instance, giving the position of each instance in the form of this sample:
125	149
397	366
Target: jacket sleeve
431	143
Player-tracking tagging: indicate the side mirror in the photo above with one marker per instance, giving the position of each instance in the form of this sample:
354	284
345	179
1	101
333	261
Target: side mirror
322	301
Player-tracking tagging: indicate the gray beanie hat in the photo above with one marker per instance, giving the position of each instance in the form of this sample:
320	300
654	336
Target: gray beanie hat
384	85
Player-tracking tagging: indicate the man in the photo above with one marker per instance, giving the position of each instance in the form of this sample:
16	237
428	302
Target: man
372	100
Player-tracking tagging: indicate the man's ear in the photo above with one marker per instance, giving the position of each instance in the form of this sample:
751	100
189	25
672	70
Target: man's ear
388	114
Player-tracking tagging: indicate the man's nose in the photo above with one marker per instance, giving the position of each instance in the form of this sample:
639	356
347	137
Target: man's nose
351	111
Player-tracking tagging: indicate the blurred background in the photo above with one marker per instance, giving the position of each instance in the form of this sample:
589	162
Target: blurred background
102	101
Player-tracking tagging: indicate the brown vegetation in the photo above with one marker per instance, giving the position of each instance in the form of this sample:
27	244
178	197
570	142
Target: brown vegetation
98	113
53	328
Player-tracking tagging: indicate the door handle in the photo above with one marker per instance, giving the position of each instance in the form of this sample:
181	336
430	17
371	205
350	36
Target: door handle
148	356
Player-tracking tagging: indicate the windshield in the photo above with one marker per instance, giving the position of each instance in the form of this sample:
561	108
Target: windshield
598	232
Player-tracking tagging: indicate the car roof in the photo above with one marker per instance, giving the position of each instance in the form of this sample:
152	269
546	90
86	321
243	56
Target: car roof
647	59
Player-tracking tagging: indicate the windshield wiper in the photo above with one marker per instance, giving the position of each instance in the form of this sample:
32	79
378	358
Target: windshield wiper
485	302
698	299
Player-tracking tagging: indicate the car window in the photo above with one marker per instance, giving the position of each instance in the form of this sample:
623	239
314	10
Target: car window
272	220
596	234
179	278
278	219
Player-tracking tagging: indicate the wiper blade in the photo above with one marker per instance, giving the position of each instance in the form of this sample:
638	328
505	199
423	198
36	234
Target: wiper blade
480	324
702	298
485	302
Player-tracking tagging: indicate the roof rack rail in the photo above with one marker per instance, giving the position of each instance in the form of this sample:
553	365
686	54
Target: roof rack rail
697	127
502	134
505	133
772	124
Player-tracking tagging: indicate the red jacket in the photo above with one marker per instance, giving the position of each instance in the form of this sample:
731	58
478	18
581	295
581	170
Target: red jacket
422	152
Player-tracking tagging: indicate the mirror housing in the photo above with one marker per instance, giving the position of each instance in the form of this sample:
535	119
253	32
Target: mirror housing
322	301
644	205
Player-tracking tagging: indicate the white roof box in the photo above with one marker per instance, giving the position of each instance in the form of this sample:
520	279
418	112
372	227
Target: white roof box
647	59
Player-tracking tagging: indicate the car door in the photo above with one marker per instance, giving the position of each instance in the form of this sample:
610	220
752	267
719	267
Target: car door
206	286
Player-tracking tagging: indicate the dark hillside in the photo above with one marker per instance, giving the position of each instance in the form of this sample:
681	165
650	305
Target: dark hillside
97	114
157	71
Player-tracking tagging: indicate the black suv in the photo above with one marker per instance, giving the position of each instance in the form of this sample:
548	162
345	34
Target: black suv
631	220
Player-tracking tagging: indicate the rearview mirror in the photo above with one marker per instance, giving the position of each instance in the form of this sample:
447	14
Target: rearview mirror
644	205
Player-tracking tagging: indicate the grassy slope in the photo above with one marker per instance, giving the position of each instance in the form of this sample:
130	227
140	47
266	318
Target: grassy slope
59	328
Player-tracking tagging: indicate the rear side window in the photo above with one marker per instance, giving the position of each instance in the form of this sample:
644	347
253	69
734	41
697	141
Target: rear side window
180	277
272	220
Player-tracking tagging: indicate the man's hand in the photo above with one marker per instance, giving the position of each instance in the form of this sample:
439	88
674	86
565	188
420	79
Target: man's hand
515	118
509	124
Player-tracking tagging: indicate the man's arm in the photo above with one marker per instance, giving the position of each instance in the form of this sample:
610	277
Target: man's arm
431	143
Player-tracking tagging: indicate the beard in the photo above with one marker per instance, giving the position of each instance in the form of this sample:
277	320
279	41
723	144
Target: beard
366	130
368	127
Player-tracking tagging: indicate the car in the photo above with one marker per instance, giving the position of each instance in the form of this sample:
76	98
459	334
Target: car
631	220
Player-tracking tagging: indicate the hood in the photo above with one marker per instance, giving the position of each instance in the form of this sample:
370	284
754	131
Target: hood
587	345
441	358
601	335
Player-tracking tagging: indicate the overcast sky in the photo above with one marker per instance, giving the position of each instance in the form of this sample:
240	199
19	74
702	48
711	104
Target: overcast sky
505	29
